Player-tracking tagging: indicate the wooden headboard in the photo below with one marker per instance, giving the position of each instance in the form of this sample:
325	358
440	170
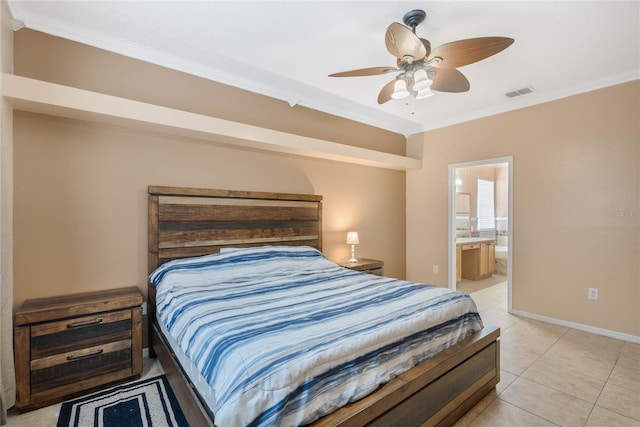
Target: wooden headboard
186	222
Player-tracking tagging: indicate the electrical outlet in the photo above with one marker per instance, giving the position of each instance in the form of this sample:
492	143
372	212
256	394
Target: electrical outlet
435	268
144	308
593	293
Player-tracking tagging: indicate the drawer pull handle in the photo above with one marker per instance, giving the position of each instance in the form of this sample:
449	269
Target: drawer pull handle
82	356
97	321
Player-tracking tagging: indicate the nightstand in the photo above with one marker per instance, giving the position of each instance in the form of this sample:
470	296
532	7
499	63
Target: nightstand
67	345
371	266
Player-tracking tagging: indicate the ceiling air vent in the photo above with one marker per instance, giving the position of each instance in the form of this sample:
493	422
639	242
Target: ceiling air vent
523	91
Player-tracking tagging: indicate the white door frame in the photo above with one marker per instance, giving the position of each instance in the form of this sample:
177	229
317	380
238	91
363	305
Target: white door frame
452	220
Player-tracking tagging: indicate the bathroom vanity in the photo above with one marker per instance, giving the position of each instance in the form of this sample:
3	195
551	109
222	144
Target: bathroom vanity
475	258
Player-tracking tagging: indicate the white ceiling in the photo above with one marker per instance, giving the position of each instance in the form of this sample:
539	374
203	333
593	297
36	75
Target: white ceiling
286	49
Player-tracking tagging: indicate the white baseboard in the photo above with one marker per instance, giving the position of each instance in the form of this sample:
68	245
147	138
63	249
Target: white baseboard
579	326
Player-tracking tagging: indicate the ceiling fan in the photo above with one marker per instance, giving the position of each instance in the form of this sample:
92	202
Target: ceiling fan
420	69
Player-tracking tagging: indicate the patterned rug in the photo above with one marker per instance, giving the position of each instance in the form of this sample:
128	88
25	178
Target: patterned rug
148	403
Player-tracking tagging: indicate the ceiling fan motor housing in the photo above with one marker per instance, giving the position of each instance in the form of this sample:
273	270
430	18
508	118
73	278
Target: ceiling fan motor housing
413	18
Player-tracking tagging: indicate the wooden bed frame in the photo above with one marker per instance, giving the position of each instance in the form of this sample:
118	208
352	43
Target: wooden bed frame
186	222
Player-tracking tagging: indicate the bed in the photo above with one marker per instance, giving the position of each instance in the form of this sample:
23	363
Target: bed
193	231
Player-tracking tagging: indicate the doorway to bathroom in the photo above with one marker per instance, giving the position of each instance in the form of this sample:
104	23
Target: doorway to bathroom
481	226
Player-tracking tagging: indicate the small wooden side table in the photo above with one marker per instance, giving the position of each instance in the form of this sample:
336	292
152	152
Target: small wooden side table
371	266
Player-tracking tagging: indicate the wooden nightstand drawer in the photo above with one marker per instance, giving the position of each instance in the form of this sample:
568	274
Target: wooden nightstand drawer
69	345
70	368
79	332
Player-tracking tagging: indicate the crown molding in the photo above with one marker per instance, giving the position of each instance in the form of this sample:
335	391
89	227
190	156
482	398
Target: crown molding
536	99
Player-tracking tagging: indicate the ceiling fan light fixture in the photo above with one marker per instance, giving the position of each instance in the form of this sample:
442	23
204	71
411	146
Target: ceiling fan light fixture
421	80
424	93
400	90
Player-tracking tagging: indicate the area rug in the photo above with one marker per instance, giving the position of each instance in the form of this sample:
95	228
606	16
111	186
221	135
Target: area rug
144	403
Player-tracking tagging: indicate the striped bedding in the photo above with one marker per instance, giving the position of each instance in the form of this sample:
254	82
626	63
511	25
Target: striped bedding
280	335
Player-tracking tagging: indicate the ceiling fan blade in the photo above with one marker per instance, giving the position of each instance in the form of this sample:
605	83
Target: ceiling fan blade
427	46
385	93
449	80
373	71
402	43
464	52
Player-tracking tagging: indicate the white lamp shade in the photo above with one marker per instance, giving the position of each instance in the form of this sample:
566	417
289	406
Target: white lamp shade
352	238
424	93
400	90
421	80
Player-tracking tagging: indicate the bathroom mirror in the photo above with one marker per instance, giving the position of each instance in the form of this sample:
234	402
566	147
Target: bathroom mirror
463	213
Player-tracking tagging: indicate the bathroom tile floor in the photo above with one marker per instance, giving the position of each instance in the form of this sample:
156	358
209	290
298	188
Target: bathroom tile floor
470	286
550	376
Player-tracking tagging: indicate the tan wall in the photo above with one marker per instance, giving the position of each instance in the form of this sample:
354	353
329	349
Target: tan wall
53	59
576	164
80	187
502	192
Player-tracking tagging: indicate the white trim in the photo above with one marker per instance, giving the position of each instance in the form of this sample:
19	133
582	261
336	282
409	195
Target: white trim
579	326
451	221
451	227
535	99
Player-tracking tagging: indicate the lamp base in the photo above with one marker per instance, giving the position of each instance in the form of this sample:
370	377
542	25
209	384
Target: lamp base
353	260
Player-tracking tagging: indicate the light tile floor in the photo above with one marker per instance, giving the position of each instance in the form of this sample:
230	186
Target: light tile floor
556	376
550	376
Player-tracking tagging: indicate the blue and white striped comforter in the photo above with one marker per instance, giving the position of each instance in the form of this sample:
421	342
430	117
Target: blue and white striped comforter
282	336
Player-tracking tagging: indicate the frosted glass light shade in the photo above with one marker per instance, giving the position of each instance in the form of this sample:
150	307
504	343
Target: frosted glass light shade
421	80
424	93
400	90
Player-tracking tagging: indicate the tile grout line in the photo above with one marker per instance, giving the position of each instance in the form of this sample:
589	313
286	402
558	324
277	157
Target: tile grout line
603	387
529	412
593	405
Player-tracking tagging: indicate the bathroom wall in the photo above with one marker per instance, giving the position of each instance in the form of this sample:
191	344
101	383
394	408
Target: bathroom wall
499	174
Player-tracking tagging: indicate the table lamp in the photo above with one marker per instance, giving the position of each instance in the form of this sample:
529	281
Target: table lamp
352	239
